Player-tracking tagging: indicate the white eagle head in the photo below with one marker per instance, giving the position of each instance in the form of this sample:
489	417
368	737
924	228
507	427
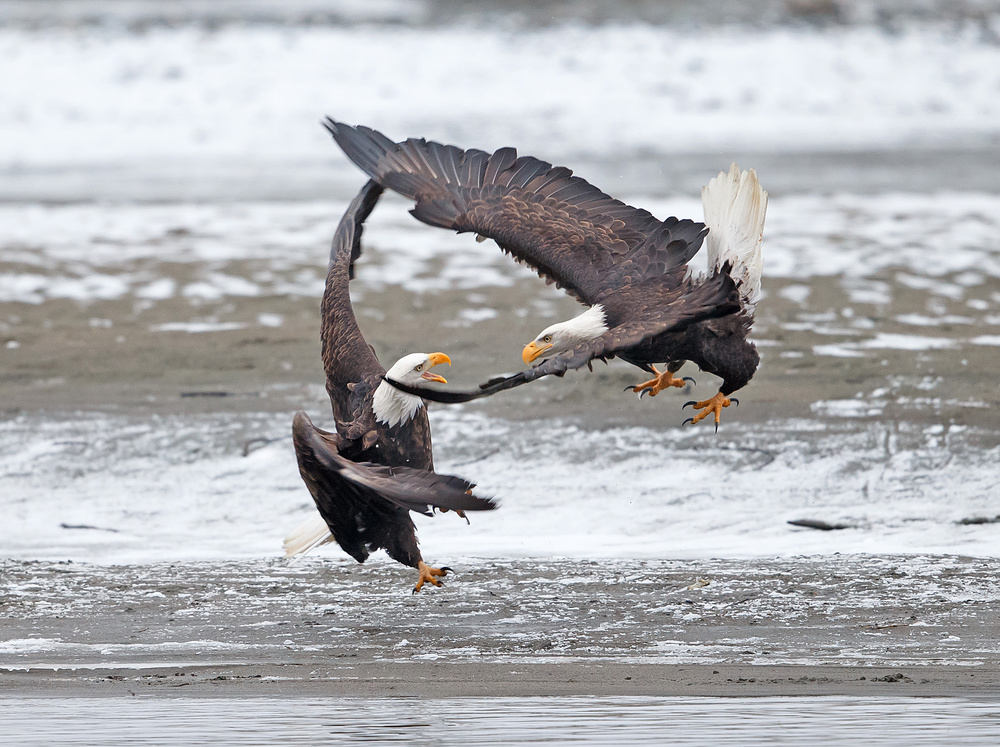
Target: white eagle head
564	336
392	406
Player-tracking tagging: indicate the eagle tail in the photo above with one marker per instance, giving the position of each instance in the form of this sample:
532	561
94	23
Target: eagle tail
735	207
311	533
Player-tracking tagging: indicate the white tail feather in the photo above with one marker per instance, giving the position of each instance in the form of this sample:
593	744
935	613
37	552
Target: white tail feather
311	533
735	207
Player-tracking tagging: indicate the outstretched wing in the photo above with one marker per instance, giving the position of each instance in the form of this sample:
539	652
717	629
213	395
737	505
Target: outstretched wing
672	311
570	232
347	357
361	502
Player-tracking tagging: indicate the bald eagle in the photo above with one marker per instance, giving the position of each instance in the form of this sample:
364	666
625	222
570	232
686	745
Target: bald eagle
627	266
368	475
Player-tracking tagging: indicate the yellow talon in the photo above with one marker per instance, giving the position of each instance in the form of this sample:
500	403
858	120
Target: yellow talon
662	381
428	575
713	405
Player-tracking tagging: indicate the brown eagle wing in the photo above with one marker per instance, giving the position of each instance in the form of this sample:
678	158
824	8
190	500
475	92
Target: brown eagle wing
566	229
364	504
348	360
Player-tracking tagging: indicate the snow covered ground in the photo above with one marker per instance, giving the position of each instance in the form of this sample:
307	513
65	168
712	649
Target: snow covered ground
94	95
117	490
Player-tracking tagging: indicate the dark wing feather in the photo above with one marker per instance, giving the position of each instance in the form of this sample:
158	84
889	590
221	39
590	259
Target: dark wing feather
359	524
677	309
347	357
405	487
416	489
559	224
365	505
351	227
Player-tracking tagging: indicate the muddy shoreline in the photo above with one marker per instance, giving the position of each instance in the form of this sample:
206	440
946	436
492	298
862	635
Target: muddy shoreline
436	680
865	626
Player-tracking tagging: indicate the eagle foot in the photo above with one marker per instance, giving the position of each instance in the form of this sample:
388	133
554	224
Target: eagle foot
458	511
662	381
707	406
429	575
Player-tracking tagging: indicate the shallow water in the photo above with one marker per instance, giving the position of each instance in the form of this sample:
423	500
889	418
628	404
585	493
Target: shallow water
485	721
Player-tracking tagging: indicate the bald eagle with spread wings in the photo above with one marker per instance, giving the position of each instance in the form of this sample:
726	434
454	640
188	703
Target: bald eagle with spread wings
376	467
629	268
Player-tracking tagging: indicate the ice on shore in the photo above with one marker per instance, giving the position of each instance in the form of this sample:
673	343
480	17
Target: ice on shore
94	95
127	490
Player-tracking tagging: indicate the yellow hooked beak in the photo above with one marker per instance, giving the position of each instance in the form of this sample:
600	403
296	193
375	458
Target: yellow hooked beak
436	359
532	351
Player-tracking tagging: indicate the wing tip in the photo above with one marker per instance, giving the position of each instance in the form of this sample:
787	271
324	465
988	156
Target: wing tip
330	124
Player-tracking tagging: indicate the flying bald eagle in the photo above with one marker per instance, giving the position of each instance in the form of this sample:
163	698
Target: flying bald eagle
377	467
627	266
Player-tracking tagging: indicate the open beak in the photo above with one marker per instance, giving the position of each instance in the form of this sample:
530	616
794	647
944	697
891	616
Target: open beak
532	351
436	359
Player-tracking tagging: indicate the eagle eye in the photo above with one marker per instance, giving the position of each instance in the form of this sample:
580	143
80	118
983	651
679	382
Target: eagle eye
547	338
419	368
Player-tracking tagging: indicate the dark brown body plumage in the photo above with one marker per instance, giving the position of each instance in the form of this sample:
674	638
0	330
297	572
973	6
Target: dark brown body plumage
600	250
366	477
717	346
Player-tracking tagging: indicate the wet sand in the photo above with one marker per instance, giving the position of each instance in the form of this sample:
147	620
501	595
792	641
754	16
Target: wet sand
859	625
112	355
446	680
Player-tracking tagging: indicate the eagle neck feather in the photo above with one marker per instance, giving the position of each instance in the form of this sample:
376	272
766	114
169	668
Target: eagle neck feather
589	325
392	406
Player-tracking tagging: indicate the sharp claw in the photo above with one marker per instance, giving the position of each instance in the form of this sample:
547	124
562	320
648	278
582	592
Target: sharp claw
688	378
689	420
446	568
415	590
734	401
716	427
628	387
688	404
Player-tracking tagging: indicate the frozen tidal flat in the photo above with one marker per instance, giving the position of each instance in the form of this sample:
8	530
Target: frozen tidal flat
115	490
867	411
167	206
